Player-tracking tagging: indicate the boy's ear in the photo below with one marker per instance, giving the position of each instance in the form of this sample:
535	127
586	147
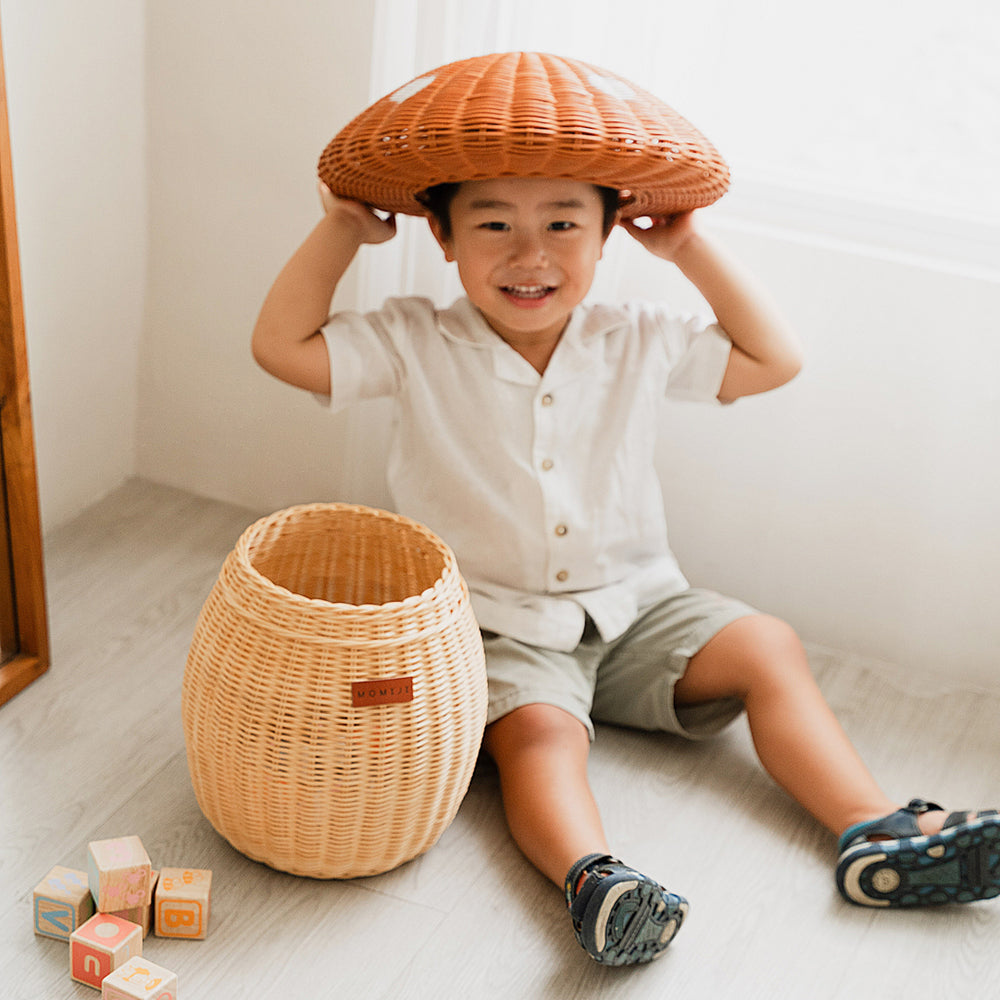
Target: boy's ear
442	240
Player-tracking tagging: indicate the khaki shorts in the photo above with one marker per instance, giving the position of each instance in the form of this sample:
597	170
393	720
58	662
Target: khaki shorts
629	681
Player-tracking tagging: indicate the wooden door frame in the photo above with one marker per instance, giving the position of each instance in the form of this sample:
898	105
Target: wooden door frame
17	448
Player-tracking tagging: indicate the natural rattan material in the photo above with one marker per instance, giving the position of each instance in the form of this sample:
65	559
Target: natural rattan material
524	114
313	603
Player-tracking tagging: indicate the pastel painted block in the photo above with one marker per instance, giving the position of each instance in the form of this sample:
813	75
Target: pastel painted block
101	945
62	902
139	977
183	900
142	915
119	871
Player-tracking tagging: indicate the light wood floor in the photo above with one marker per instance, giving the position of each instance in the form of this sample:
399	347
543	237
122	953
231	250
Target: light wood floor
95	749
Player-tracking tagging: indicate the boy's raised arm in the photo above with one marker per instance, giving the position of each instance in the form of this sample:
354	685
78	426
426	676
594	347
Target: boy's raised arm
765	351
286	339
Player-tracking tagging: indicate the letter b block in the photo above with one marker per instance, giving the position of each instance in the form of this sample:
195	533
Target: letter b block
138	978
100	946
62	902
183	897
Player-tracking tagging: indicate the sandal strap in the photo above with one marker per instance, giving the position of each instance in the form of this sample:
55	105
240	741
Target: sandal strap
897	825
903	823
582	867
920	806
966	816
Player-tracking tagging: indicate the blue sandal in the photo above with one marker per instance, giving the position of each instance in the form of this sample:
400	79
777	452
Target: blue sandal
620	916
958	865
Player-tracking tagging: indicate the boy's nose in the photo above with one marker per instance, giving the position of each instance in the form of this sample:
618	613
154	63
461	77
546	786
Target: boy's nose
528	250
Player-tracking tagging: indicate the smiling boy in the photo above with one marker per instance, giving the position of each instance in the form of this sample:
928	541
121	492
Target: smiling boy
525	437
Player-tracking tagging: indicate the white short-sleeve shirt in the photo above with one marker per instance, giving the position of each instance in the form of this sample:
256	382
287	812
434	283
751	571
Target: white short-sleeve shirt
544	485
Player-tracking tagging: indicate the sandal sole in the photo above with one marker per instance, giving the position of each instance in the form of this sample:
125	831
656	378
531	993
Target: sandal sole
635	921
960	865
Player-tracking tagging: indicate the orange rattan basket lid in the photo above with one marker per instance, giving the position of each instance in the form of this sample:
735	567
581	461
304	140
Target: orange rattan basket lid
523	114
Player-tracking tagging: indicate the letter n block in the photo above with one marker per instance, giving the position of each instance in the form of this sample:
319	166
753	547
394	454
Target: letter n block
119	871
62	902
140	978
183	898
100	946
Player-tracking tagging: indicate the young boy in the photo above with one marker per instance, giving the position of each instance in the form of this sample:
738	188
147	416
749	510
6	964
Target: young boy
525	439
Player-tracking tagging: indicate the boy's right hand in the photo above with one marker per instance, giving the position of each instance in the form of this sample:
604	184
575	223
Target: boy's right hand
371	227
287	339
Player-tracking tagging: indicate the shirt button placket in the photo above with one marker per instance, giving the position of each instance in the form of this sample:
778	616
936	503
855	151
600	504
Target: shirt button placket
561	531
545	441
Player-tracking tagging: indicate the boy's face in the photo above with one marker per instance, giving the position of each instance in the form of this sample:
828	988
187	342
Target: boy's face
526	250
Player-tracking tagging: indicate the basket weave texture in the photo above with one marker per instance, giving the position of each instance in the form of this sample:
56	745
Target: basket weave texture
524	114
316	607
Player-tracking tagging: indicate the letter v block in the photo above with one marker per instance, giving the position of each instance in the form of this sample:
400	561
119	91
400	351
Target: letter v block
62	902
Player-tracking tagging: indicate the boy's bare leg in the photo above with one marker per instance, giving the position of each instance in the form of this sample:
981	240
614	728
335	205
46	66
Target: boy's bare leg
541	754
619	915
798	739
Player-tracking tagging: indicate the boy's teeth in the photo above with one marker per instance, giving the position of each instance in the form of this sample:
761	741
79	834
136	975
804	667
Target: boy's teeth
528	291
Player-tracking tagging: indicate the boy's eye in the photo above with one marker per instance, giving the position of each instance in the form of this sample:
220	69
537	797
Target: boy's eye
495	227
562	227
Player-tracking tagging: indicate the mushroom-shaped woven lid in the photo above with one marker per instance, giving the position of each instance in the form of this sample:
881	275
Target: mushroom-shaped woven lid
523	114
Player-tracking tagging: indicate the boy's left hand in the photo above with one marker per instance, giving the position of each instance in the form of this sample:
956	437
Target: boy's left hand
765	352
665	236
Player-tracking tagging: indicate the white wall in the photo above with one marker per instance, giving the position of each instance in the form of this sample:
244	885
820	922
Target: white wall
77	121
861	501
858	502
242	97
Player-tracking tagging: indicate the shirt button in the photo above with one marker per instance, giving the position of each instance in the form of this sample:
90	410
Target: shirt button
547	399
561	530
562	576
547	464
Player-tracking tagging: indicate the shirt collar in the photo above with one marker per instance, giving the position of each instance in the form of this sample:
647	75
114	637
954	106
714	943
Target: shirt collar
575	353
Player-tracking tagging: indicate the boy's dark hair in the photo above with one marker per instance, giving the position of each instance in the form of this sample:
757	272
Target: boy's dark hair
437	200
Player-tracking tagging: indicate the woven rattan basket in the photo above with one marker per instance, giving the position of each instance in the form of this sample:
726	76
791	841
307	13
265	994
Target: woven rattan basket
334	697
524	114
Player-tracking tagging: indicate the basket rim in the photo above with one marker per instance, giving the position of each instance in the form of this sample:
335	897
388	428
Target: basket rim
240	558
429	131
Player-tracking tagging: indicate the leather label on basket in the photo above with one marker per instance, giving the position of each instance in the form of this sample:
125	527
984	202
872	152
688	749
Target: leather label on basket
391	691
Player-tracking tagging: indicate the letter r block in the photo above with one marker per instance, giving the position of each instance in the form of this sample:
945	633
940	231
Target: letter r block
183	898
140	978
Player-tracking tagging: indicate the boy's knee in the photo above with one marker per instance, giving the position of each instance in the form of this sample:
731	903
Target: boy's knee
773	653
750	652
771	637
534	725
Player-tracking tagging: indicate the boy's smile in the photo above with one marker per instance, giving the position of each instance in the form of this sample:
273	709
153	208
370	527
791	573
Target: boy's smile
526	250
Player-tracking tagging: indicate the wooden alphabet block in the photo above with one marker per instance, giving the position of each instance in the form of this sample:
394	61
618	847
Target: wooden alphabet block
101	945
62	902
140	978
119	871
183	899
142	915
